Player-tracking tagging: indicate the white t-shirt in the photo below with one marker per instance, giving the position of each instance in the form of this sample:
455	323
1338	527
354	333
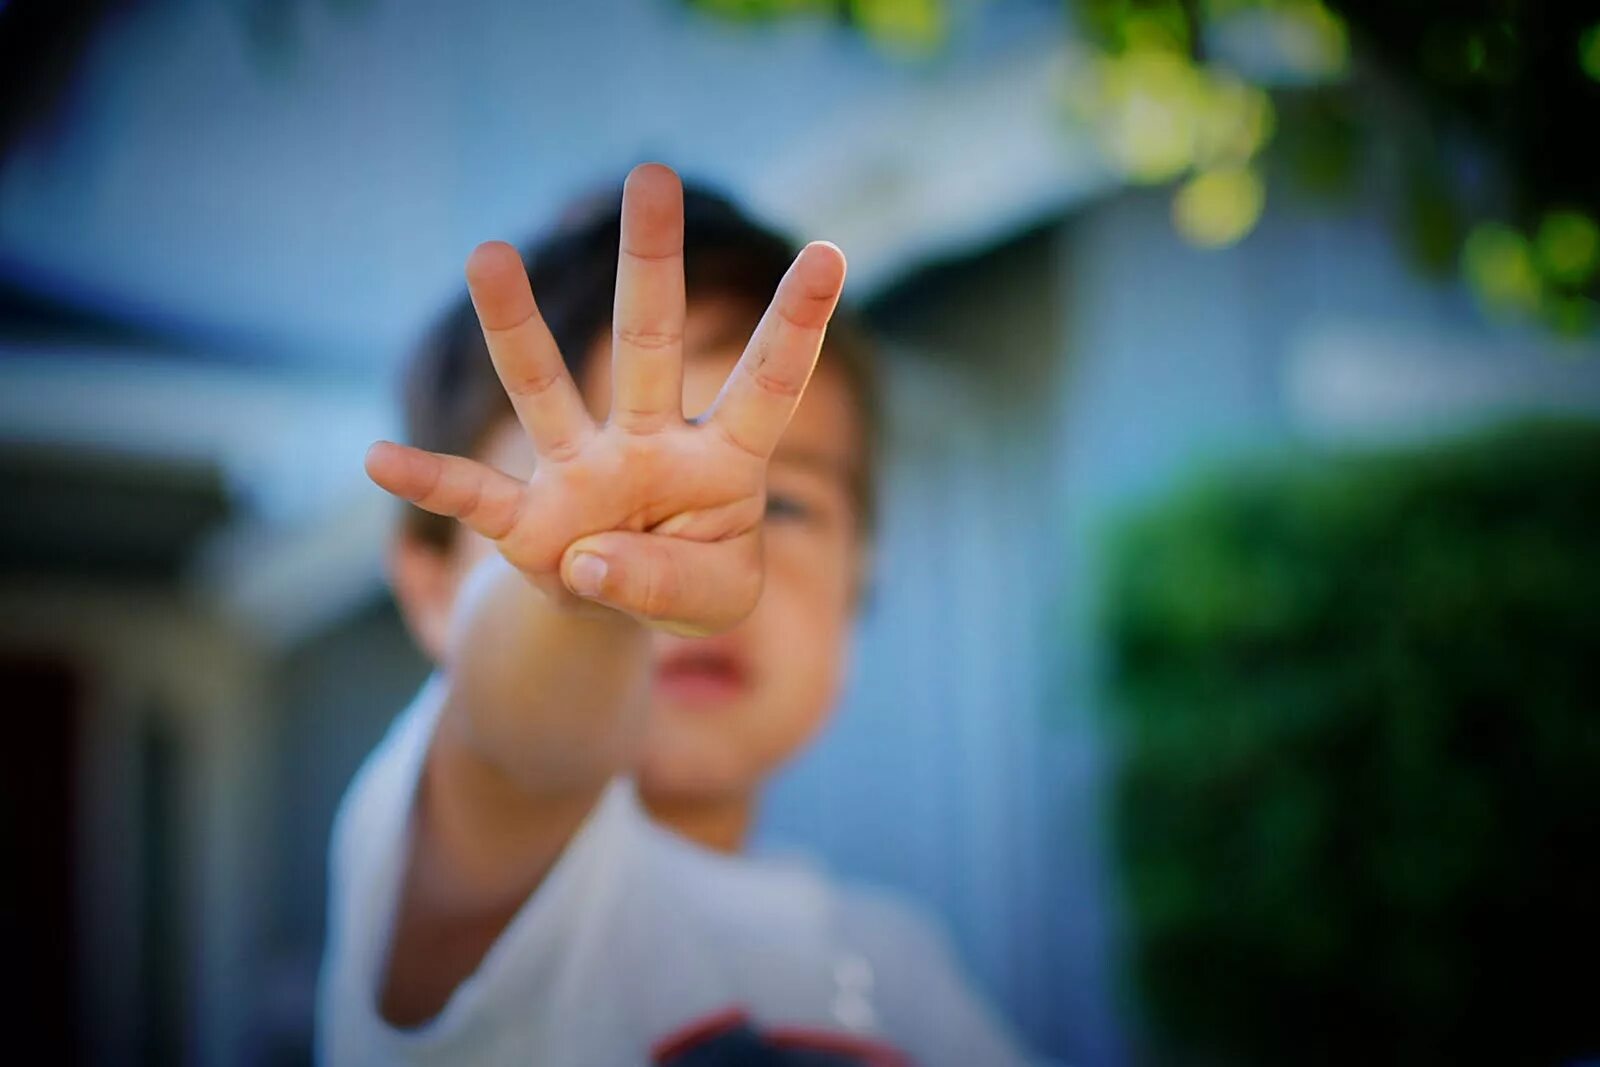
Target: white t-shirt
641	947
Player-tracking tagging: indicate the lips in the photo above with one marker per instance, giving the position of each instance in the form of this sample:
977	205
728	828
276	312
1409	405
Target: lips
700	673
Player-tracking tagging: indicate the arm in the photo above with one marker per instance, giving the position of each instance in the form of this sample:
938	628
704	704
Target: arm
537	716
649	520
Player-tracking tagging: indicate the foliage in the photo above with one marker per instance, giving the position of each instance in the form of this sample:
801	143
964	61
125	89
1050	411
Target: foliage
1357	804
1517	77
1487	131
910	27
1489	128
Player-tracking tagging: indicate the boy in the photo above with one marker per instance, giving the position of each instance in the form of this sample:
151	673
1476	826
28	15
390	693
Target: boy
642	618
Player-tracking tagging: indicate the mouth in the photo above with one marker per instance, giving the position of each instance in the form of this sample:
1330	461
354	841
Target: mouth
699	675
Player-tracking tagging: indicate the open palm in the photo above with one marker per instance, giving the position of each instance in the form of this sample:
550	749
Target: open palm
649	513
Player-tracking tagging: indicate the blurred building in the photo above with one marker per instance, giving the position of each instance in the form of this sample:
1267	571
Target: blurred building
209	270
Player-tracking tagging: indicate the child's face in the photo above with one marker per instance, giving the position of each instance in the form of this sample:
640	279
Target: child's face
728	710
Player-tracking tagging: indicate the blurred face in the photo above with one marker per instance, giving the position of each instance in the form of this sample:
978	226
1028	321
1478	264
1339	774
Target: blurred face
728	710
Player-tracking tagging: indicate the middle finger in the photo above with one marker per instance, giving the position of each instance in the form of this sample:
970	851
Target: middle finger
647	317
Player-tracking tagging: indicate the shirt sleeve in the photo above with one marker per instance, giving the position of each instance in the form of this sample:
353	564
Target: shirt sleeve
514	987
365	856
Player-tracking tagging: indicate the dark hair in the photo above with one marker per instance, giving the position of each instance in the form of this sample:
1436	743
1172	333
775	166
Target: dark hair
453	400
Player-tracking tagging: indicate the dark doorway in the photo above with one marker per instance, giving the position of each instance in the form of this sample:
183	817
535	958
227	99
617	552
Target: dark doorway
43	698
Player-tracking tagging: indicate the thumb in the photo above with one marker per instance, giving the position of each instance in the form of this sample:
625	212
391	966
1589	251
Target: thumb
689	587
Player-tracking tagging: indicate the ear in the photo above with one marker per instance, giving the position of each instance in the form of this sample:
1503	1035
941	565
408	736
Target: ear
424	578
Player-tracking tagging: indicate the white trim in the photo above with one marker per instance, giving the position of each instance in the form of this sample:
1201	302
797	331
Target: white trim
1378	382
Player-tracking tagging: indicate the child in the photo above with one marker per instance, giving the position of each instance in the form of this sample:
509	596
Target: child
643	618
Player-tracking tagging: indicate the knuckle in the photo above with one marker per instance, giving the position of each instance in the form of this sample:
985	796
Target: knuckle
532	383
798	319
429	491
734	441
775	384
561	449
509	514
471	501
639	417
649	340
659	594
642	256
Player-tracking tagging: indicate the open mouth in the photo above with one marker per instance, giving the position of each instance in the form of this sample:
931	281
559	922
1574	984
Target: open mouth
700	674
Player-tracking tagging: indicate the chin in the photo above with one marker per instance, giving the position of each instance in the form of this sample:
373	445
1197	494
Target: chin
686	777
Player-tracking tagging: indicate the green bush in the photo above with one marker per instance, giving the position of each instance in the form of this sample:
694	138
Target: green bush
1357	730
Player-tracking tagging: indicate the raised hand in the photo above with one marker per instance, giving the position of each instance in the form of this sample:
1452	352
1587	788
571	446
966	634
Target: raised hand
651	513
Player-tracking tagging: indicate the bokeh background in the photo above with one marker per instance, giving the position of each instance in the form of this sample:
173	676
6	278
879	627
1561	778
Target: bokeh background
1229	684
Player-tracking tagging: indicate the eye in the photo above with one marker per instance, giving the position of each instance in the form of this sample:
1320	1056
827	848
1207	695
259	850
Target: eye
782	507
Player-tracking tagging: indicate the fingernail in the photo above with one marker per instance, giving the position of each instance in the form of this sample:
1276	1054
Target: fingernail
586	573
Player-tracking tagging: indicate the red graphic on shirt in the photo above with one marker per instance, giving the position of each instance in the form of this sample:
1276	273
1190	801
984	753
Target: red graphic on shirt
728	1037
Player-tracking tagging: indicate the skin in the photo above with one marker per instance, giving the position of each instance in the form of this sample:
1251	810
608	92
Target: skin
707	649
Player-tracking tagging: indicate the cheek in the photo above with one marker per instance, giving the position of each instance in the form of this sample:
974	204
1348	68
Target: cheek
812	575
804	618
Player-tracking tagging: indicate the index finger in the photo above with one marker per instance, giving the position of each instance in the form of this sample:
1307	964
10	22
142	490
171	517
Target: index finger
525	356
765	387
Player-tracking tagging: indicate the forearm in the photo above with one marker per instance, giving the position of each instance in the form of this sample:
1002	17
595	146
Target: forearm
546	694
543	706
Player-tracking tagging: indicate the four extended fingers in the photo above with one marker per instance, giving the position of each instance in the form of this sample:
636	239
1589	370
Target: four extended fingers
525	356
761	394
752	410
648	314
